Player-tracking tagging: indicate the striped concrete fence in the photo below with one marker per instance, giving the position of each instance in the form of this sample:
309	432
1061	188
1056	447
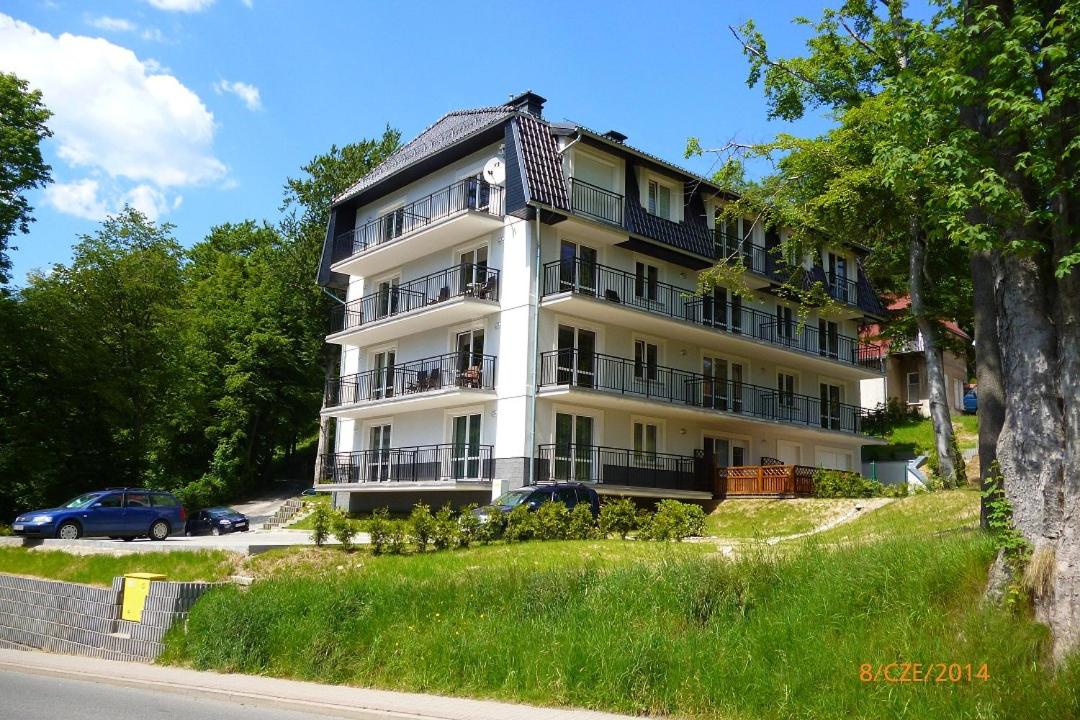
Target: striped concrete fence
82	620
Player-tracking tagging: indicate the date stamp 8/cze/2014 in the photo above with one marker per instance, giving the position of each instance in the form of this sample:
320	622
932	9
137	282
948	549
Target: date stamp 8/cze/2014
899	673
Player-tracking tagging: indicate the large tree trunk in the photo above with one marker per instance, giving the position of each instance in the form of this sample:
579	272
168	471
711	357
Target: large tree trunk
948	462
991	408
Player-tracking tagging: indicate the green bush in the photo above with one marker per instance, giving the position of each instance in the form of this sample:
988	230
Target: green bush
444	531
843	484
468	527
520	525
674	520
397	536
5	530
344	529
421	526
321	524
552	521
379	528
490	531
582	523
618	517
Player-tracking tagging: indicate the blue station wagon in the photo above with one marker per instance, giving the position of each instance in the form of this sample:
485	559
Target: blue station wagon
125	513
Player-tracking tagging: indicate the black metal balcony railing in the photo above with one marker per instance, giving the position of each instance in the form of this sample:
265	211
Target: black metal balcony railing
625	288
734	248
844	289
620	466
452	370
467	194
596	202
422	463
464	280
624	376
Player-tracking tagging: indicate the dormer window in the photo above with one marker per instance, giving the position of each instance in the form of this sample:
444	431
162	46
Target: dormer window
659	200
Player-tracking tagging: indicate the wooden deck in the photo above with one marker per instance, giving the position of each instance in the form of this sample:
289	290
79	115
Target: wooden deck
764	480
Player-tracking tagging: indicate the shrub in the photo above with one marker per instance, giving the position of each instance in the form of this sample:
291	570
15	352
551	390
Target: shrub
468	527
421	525
618	517
491	530
5	530
552	521
321	523
444	531
379	529
396	537
520	525
582	523
674	520
842	484
344	529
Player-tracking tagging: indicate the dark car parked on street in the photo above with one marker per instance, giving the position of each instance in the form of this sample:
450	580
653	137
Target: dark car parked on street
125	513
533	496
217	521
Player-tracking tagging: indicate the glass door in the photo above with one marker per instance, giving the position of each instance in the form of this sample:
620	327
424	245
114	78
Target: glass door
725	452
382	380
830	406
714	390
470	357
576	357
577	268
387	299
378	467
714	308
473	274
465	451
828	338
573	447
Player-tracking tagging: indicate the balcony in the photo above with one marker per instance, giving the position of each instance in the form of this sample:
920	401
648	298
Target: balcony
635	381
622	469
606	294
596	203
445	218
410	466
452	295
433	382
735	249
843	289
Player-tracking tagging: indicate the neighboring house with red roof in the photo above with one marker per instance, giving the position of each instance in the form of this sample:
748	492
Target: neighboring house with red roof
905	368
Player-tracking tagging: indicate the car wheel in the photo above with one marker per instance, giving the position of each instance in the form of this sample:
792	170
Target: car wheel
215	531
69	531
187	533
159	530
128	538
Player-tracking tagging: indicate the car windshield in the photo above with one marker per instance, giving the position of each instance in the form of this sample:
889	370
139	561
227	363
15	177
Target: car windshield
220	511
81	501
513	498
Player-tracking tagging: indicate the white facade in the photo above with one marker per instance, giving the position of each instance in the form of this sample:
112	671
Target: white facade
653	363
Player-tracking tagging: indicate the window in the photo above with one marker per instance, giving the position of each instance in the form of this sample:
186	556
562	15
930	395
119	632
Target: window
567	496
138	500
659	200
574	447
388	298
785	385
465	455
785	324
914	389
577	268
393	224
828	338
470	350
111	501
474	264
382	381
378	466
163	500
830	406
645	438
645	360
576	357
736	314
646	281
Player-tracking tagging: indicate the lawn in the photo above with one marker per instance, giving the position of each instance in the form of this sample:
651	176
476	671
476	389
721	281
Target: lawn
921	515
208	565
916	437
635	627
739	519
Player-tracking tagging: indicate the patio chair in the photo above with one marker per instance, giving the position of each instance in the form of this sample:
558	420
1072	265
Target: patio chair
419	383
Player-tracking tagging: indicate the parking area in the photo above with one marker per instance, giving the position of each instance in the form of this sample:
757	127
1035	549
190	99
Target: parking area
245	543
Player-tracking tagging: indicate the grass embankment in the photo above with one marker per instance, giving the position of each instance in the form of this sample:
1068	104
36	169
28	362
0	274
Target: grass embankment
204	565
916	516
641	627
741	519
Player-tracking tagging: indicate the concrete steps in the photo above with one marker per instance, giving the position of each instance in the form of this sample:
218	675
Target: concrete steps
284	514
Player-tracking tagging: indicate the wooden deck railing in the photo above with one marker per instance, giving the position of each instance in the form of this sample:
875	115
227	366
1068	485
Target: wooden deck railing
765	480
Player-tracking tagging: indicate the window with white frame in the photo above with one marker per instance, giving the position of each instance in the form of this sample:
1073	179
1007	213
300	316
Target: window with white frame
659	200
646	356
914	389
646	438
646	281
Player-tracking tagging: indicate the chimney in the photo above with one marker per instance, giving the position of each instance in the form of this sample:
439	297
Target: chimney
528	102
615	135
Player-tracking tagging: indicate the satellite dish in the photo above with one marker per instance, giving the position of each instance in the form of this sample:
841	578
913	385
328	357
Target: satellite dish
494	171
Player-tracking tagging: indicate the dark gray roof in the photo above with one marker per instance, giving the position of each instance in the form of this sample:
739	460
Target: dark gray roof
543	166
447	130
689	237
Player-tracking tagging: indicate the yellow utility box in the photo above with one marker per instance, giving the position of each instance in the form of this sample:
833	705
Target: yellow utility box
136	588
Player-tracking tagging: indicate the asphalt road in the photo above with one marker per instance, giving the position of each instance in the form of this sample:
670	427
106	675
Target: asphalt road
33	697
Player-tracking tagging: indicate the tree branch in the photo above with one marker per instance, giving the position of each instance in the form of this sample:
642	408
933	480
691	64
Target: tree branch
862	41
770	62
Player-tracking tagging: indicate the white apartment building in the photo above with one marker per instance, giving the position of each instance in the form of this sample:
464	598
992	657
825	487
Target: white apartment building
522	306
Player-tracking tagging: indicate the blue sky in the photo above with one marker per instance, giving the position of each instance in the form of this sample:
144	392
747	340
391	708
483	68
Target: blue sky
197	110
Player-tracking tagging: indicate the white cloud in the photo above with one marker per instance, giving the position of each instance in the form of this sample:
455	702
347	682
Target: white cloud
181	5
112	24
245	91
152	34
79	198
114	115
248	3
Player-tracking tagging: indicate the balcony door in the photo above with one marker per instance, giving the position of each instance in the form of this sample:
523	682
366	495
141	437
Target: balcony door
577	268
828	338
378	454
473	274
722	452
838	276
470	350
576	357
831	396
388	298
785	324
722	386
573	447
785	390
465	450
382	375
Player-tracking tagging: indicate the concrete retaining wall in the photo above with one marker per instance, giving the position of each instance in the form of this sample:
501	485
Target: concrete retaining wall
82	620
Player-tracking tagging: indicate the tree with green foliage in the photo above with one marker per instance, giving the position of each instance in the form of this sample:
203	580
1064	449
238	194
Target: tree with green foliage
22	130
